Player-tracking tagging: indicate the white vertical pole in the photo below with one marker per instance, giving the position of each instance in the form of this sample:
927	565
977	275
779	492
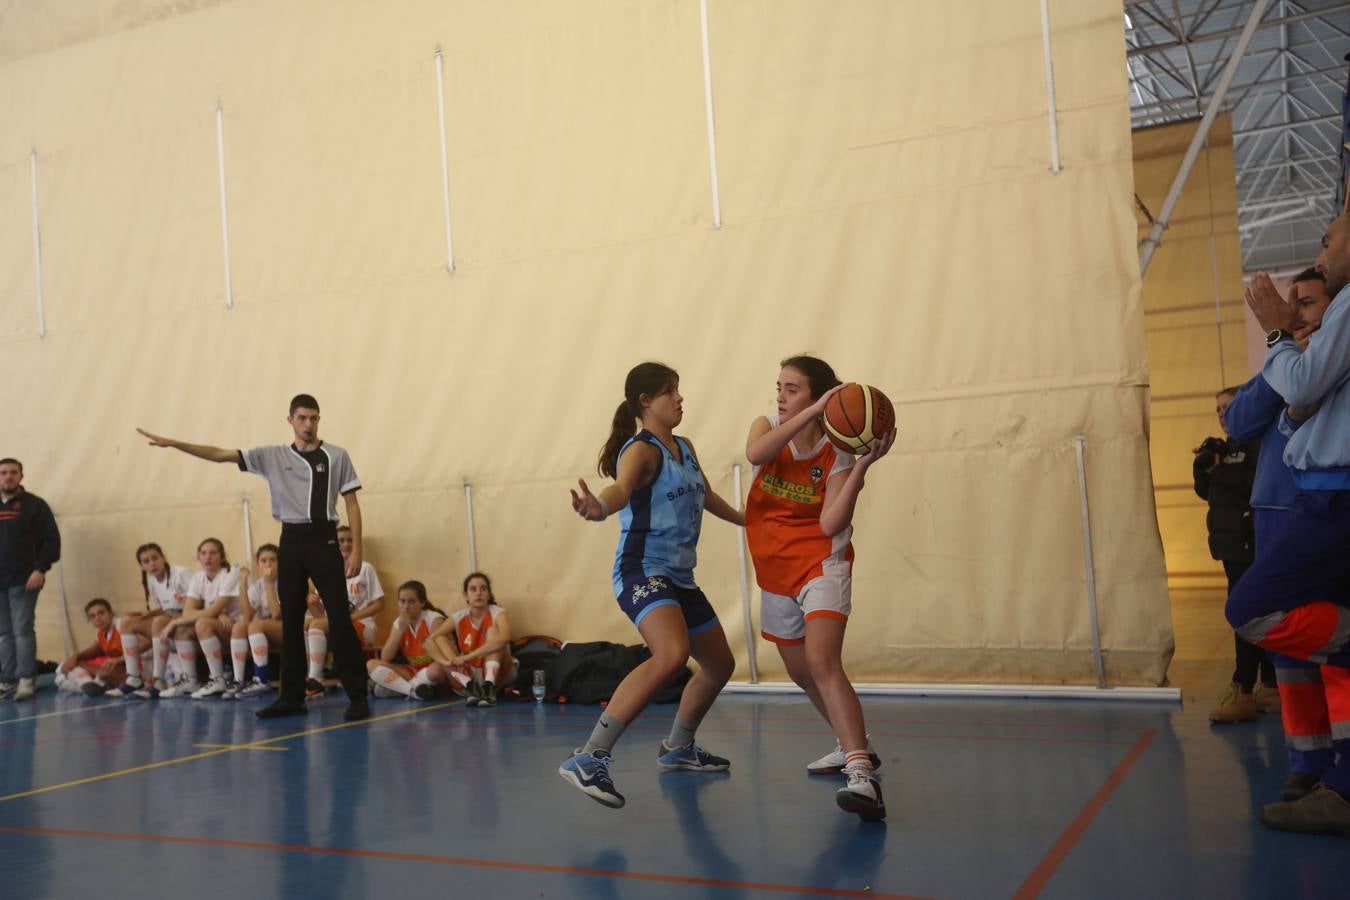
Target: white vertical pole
445	160
37	246
248	534
469	527
708	104
224	208
750	637
1197	141
66	633
1088	568
1050	87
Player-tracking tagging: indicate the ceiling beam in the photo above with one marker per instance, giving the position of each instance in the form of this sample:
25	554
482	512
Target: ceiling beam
1230	32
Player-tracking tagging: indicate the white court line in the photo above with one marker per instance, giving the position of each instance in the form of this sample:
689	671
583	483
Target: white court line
64	712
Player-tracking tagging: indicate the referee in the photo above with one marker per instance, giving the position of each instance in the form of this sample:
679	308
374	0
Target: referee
305	479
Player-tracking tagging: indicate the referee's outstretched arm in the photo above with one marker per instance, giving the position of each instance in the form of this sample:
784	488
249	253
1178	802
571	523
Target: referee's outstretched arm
201	451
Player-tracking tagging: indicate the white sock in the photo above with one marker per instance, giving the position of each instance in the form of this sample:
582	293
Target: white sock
160	648
259	644
460	678
214	662
317	642
391	680
239	656
131	654
187	655
490	670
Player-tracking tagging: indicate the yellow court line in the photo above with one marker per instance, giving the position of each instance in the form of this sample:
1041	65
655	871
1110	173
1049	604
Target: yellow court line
242	747
63	712
195	756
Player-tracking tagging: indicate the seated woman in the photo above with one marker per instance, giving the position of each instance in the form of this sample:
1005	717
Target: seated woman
365	599
263	626
165	589
483	635
98	667
210	611
419	673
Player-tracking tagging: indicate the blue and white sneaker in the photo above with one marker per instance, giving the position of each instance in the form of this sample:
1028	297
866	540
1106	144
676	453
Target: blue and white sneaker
690	757
589	773
128	688
150	690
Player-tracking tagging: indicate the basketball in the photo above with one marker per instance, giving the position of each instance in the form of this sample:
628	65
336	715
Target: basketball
857	417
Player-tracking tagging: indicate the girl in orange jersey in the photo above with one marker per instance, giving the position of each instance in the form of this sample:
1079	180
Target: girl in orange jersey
99	666
798	522
482	636
410	637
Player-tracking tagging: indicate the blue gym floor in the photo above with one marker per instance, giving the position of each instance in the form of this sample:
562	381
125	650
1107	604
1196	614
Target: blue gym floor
985	799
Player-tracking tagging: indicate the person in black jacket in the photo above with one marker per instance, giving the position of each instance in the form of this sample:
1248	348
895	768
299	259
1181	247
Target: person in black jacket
29	546
1224	470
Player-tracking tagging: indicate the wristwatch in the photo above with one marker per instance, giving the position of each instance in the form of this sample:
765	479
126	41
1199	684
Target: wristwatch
1274	336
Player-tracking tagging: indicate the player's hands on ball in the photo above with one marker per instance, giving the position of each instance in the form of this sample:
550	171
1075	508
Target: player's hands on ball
1270	309
877	450
818	408
586	504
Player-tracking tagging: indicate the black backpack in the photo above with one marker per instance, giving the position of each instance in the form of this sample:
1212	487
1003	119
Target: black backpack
531	653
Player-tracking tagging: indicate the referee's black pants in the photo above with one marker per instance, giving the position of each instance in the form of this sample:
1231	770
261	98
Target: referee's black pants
310	553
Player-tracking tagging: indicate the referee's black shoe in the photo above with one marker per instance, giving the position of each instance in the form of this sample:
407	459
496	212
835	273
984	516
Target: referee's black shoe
357	710
281	709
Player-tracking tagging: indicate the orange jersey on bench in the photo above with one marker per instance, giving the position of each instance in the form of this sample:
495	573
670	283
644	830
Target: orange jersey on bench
110	642
470	636
414	638
782	517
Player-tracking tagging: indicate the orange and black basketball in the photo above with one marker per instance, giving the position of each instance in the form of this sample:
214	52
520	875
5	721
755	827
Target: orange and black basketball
857	417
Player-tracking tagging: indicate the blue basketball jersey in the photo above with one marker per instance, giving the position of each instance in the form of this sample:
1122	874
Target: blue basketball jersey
659	528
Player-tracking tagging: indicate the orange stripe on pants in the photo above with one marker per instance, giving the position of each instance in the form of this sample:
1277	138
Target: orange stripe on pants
1304	630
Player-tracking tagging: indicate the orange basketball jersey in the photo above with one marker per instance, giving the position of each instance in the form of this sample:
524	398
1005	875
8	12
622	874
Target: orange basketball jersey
413	640
110	642
782	517
471	636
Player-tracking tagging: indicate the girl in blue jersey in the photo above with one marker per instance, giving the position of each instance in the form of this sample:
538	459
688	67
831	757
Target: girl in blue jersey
659	494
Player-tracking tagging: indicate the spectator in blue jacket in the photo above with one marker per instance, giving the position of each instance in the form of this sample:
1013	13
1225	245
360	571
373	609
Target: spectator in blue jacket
1292	598
1255	413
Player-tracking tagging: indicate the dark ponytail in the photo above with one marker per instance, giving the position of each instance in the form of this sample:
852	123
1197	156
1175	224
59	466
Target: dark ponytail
649	378
817	371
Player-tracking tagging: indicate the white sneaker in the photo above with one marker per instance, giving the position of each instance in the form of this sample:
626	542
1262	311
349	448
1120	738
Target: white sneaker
26	689
7	689
179	689
834	760
861	795
255	688
231	691
213	688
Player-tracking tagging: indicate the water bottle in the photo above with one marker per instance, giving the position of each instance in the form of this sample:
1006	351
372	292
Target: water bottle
538	689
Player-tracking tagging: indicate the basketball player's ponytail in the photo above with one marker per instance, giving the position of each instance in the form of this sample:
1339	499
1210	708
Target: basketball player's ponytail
649	378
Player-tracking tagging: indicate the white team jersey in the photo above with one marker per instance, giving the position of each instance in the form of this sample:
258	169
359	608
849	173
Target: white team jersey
164	594
363	590
257	598
209	590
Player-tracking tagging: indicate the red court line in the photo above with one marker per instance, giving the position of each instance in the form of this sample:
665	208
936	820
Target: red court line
456	861
709	728
1045	870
